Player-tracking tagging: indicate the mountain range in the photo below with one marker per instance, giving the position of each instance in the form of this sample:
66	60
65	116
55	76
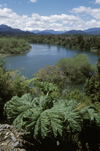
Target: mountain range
75	32
4	29
48	32
91	31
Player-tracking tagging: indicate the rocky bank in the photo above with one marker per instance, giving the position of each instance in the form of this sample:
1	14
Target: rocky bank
11	139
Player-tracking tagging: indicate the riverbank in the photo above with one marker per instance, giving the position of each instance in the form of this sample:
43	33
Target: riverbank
12	139
79	42
9	54
93	50
12	46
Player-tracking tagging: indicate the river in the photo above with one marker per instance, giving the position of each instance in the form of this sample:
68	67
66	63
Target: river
41	55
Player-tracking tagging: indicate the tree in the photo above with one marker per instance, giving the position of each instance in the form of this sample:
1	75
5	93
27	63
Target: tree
76	69
79	39
81	46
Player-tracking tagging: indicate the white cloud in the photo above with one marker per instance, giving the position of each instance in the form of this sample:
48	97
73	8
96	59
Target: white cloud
88	10
81	9
94	13
97	1
33	1
0	5
55	22
24	22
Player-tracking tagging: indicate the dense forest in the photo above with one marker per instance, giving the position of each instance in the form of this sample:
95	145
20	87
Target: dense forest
50	112
89	43
81	42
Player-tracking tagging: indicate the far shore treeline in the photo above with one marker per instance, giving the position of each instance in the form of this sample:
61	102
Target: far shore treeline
82	42
53	115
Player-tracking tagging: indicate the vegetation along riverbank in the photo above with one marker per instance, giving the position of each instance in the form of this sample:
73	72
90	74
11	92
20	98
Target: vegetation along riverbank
49	112
12	46
81	42
16	44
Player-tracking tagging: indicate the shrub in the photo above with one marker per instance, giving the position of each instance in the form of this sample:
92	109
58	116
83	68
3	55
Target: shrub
77	95
45	118
77	69
92	85
11	84
51	74
46	88
13	45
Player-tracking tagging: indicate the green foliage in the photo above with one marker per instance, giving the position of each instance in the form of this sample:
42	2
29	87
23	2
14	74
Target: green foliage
67	70
11	84
77	69
79	38
2	63
70	41
77	95
51	74
13	45
44	118
46	87
92	85
92	88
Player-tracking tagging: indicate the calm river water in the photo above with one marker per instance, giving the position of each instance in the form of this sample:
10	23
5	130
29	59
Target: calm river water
41	55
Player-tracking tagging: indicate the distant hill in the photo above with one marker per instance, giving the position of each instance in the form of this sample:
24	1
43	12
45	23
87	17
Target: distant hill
48	32
44	33
4	29
35	31
97	32
75	32
7	28
93	31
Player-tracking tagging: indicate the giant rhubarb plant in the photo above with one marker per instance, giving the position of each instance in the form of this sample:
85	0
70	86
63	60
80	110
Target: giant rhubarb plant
44	118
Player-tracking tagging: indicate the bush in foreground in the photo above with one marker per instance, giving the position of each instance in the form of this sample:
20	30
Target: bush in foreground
43	118
11	84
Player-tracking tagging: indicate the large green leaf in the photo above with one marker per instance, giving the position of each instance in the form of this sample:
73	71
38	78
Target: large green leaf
89	112
41	119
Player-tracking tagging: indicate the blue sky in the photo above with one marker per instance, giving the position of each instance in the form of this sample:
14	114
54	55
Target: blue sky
50	14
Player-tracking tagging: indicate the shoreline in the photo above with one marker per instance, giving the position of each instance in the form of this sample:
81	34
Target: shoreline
9	54
93	50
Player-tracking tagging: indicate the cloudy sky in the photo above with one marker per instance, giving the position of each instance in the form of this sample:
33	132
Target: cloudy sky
50	14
